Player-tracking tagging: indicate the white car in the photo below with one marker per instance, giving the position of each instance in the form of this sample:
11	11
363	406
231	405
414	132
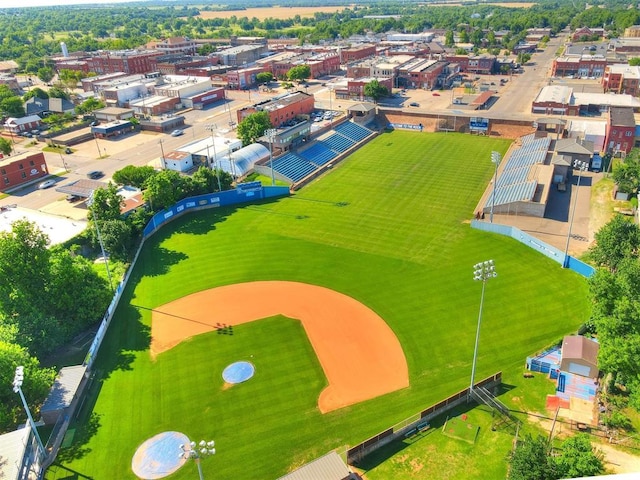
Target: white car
46	184
177	133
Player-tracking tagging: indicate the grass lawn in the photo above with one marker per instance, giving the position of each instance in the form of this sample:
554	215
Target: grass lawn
387	227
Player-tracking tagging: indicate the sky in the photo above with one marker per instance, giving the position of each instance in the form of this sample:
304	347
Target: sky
49	3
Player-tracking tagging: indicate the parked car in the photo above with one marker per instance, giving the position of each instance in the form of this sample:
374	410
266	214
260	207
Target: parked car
93	174
95	123
414	104
177	132
73	198
46	184
435	94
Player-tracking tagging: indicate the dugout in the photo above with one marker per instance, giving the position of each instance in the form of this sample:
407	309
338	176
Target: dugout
327	467
63	393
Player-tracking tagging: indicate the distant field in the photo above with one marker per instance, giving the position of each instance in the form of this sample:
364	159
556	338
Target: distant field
388	227
498	4
272	12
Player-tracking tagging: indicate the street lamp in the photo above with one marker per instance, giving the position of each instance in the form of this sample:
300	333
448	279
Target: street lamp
17	388
482	272
495	158
197	451
582	167
271	133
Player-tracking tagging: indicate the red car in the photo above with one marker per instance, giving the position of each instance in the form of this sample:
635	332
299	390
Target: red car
435	94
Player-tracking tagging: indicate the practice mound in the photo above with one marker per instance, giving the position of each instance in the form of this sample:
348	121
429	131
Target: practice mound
359	353
238	372
159	456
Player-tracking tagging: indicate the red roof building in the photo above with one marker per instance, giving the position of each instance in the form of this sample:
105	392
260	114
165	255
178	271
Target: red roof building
23	168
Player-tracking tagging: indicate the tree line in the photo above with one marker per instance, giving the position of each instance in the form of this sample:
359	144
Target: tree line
30	35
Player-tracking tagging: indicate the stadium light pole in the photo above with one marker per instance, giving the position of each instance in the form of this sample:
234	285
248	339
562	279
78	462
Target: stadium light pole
495	158
271	134
482	272
197	451
17	388
212	127
90	202
582	167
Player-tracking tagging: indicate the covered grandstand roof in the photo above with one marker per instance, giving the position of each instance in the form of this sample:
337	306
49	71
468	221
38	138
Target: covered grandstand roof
518	181
242	161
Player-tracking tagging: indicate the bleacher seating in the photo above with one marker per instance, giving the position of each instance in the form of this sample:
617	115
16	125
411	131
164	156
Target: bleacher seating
353	131
338	143
293	167
318	153
518	192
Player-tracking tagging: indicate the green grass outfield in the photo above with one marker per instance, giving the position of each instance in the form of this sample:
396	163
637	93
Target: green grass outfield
387	227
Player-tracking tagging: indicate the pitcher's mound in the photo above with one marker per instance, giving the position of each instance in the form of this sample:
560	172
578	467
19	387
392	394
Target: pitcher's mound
238	372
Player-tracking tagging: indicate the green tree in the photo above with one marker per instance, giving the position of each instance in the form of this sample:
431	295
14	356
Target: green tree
264	77
299	73
614	242
253	127
134	176
58	91
89	105
523	58
106	204
12	107
578	458
634	62
375	90
615	314
36	385
5	146
163	189
627	174
117	237
530	460
45	74
448	39
24	268
35	92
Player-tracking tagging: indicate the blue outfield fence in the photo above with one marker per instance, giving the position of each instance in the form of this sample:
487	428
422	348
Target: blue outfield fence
538	245
243	193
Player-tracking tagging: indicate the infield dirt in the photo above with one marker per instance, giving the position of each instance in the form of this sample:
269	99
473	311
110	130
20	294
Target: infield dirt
359	353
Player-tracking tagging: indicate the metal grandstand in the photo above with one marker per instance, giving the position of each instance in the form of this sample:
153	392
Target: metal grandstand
296	166
522	177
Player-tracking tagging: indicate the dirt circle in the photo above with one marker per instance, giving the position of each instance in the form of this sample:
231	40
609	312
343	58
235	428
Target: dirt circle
360	355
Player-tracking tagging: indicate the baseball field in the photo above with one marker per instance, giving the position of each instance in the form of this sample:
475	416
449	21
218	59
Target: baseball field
365	274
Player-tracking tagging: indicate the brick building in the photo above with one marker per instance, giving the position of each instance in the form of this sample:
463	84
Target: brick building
586	32
243	78
281	110
555	100
129	61
621	79
178	64
22	168
357	52
183	45
621	130
354	89
582	66
320	63
422	73
478	64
